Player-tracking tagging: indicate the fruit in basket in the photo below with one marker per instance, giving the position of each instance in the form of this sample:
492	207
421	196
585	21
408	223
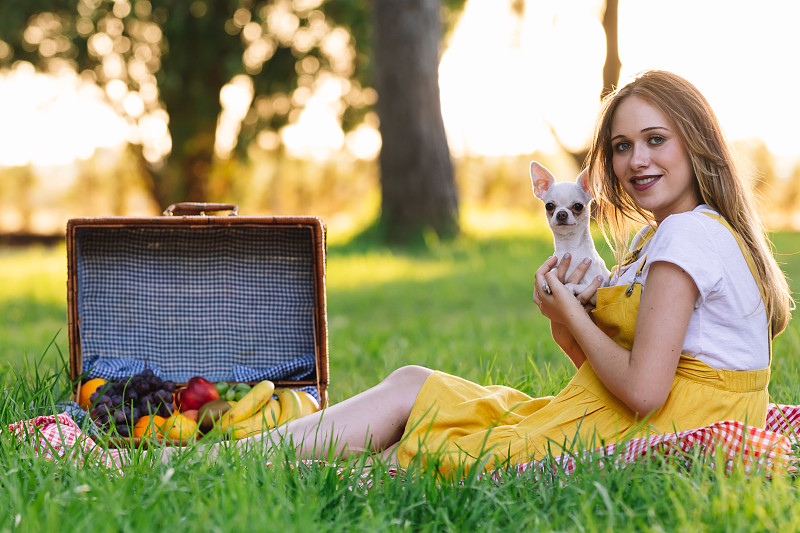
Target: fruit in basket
147	427
266	418
210	413
241	391
121	403
87	389
249	405
198	390
291	407
308	402
179	427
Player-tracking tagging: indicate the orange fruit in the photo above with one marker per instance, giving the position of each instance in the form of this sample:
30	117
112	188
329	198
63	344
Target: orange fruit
148	427
87	389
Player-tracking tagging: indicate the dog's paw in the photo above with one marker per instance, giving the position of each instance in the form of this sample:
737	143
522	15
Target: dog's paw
546	288
578	288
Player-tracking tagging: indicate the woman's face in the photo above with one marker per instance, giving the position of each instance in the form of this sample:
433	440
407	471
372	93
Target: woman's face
650	160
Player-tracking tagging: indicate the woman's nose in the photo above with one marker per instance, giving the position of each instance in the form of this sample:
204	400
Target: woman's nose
640	157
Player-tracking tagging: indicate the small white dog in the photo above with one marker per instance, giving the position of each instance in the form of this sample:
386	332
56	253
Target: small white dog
567	207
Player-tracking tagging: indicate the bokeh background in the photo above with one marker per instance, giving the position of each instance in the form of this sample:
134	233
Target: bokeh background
123	107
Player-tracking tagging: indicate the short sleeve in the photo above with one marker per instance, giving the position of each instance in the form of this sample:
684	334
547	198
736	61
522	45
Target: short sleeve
684	240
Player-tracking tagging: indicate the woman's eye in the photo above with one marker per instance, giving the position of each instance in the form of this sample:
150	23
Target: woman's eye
657	139
622	146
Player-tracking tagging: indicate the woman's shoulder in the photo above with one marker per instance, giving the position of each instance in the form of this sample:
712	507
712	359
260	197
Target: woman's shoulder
700	225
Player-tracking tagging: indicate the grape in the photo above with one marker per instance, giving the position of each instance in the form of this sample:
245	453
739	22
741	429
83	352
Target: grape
165	410
148	404
163	396
142	388
155	382
122	402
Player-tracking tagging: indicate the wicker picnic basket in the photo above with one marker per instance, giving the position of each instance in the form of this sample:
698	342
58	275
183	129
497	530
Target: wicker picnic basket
226	297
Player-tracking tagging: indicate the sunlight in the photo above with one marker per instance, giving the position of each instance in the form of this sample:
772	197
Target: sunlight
745	66
53	120
506	81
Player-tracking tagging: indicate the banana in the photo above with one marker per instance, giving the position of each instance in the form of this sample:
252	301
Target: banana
309	403
249	405
265	419
291	407
272	411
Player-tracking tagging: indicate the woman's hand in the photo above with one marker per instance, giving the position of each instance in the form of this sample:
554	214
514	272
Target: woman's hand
560	303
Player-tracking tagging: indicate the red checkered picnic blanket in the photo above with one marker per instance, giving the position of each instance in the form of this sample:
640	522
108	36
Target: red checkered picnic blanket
768	449
58	438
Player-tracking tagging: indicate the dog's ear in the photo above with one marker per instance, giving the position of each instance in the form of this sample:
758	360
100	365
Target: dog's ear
583	181
541	179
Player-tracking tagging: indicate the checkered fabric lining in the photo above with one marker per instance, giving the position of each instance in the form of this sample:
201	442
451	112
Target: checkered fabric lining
194	301
769	449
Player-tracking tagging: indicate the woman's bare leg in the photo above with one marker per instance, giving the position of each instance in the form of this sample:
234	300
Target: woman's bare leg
370	421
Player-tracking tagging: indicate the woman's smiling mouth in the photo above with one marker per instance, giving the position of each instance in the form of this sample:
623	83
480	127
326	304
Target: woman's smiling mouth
641	183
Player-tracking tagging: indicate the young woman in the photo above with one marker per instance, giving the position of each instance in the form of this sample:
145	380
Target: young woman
680	339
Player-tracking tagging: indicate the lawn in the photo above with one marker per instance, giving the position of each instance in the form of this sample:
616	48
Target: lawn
462	307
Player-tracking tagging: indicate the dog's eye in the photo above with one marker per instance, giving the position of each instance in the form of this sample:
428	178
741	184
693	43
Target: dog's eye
577	207
549	206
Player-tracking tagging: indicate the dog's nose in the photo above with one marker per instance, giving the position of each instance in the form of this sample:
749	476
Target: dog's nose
561	216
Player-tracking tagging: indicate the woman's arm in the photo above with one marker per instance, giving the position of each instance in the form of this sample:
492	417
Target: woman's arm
641	378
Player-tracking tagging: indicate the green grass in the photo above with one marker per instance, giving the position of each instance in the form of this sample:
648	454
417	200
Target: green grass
462	307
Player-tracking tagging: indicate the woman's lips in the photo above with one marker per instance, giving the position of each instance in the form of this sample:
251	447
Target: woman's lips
640	183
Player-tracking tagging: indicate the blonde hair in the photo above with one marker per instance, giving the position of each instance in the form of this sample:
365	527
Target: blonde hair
719	181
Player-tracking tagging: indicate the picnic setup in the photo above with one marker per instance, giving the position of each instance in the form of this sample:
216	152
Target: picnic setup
430	266
190	326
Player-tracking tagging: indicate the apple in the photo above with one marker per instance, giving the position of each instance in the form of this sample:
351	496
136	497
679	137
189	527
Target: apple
198	390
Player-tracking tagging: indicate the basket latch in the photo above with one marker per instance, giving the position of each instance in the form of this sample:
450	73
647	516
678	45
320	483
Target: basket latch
199	208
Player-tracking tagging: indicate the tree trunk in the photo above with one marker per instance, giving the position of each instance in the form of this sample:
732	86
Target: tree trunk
417	185
613	65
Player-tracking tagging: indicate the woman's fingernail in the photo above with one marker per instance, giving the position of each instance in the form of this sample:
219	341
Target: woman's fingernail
586	260
600	278
566	256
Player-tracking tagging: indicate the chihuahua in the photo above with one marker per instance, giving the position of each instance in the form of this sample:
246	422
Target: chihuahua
567	207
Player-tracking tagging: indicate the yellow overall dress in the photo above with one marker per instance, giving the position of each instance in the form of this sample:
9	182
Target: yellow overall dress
455	422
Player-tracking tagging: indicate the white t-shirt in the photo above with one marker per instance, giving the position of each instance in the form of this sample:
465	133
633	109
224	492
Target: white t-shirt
728	328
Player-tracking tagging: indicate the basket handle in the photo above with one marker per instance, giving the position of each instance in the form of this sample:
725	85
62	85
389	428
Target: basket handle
199	208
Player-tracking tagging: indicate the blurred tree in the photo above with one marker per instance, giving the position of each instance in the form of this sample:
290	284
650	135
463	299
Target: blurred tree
177	70
419	192
180	70
613	64
611	70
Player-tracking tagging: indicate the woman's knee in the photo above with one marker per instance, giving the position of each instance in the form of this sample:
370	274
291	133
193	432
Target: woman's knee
401	387
409	376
